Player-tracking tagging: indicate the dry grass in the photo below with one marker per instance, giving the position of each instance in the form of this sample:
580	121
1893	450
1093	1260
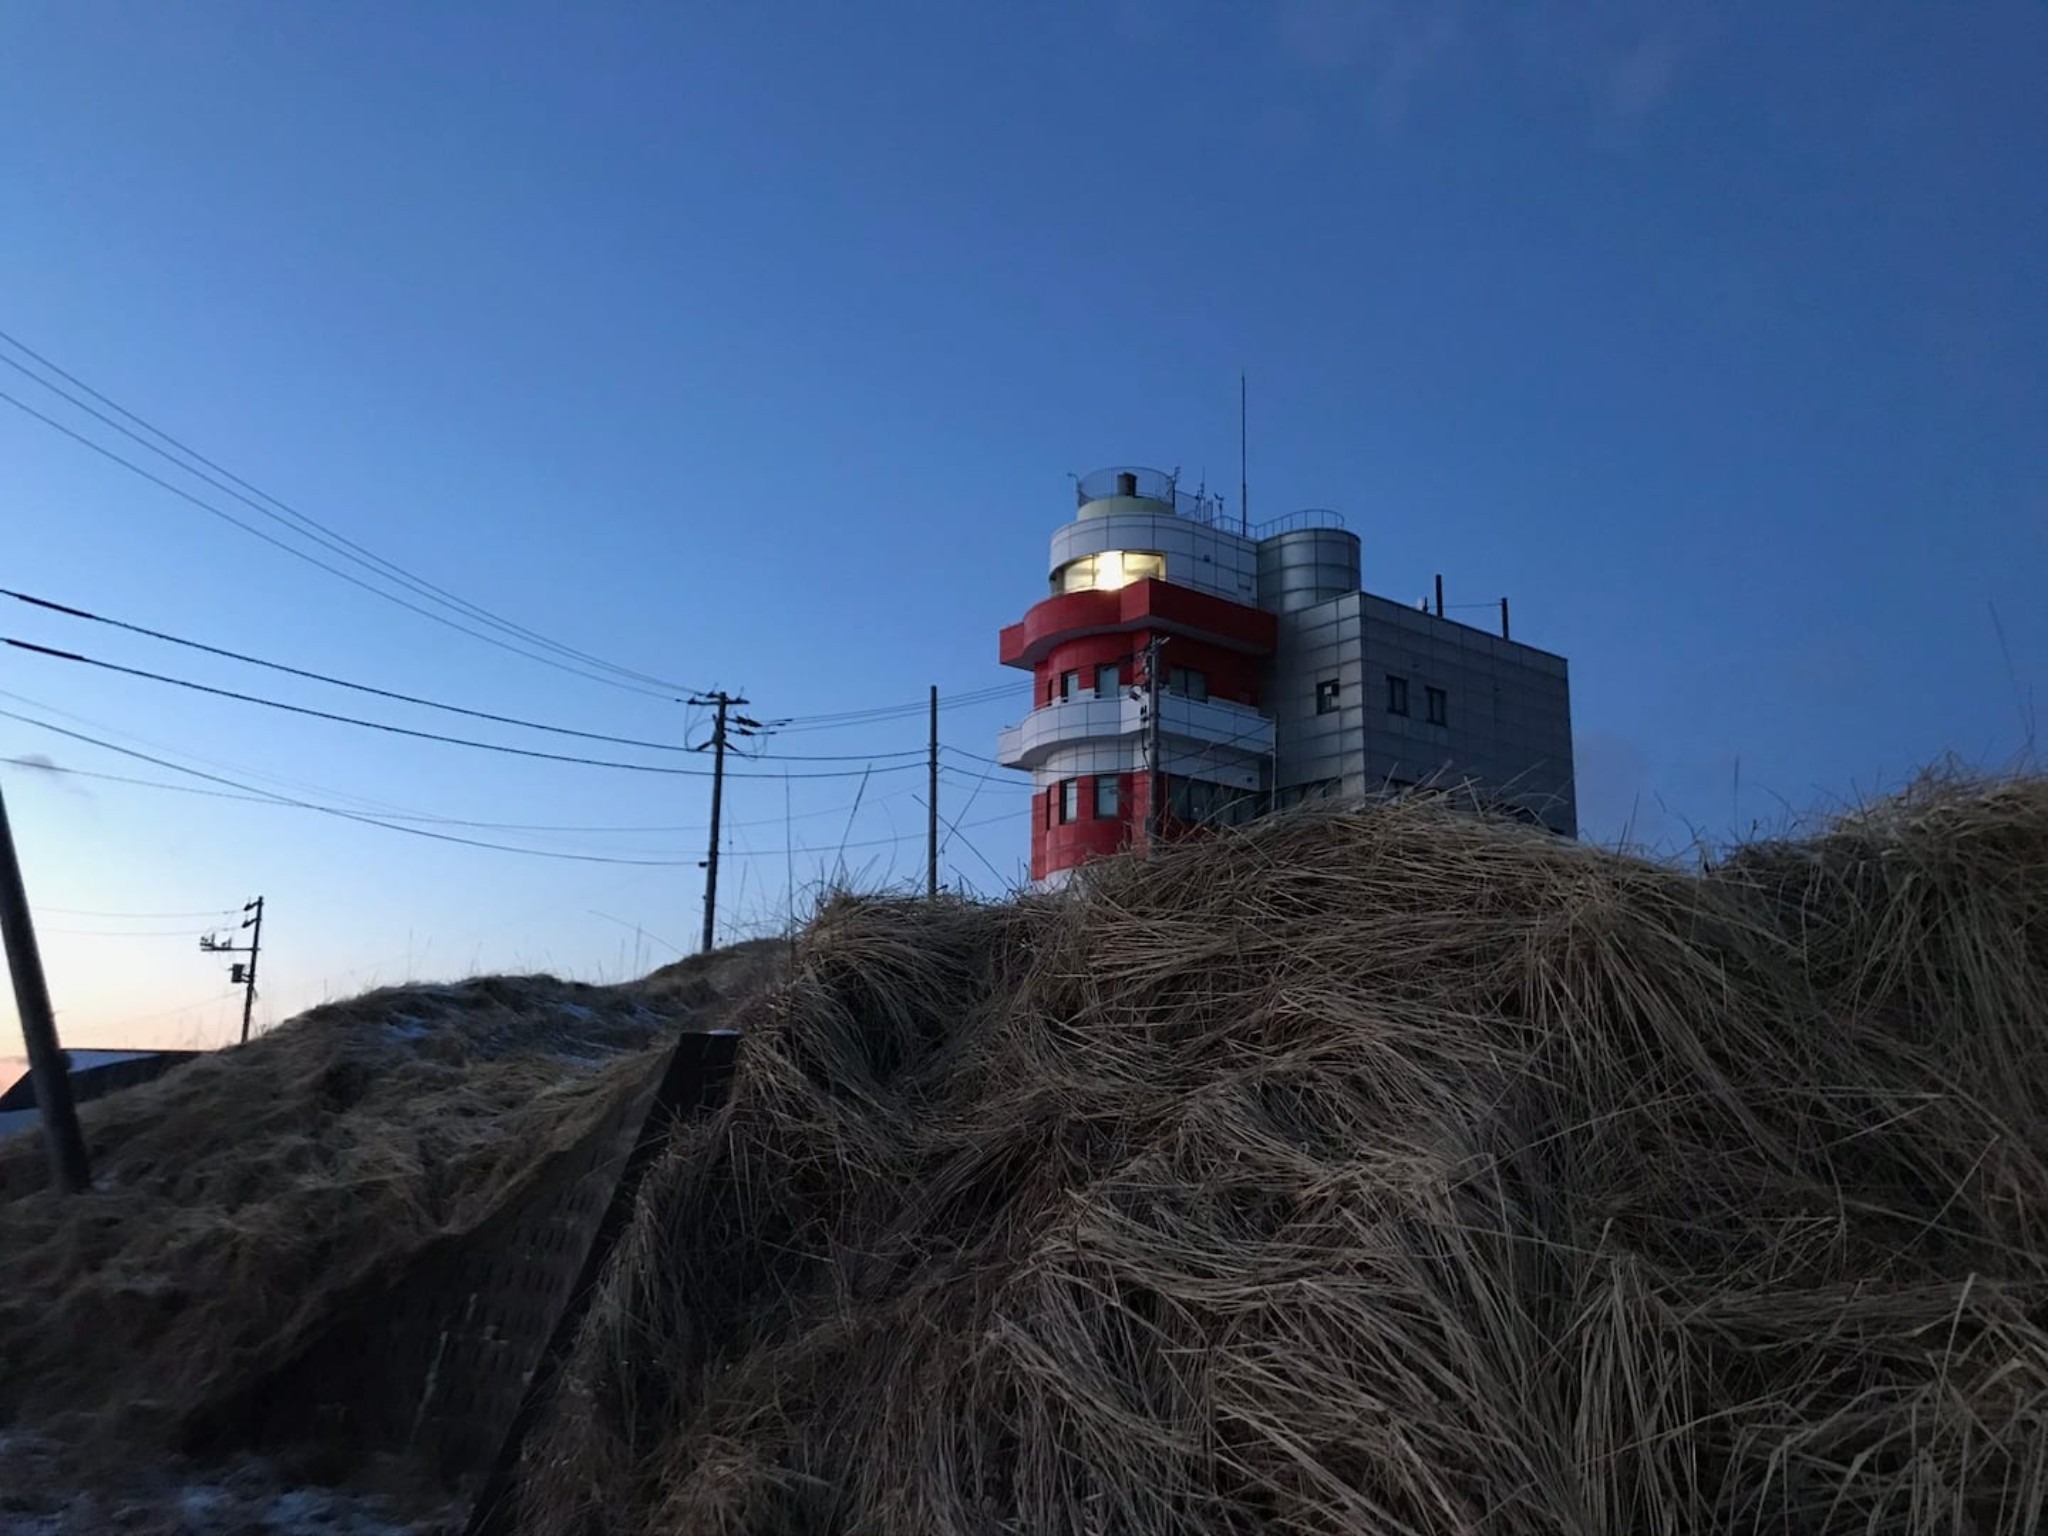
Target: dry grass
1384	1172
238	1198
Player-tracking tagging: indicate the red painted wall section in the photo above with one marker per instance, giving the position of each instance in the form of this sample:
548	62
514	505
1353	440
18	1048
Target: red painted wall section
1084	656
1232	675
1141	605
1062	845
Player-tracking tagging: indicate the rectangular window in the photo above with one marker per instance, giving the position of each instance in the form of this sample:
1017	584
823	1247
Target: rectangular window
1144	565
1397	695
1201	803
1108	678
1070	799
1110	570
1188	683
1326	697
1439	706
1070	684
1105	797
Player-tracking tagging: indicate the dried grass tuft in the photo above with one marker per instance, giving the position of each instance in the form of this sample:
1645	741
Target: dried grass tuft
1387	1171
238	1199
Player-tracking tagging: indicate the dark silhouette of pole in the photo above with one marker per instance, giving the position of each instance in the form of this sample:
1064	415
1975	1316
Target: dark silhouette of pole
717	805
240	975
931	833
249	976
1504	619
50	1071
1155	810
725	725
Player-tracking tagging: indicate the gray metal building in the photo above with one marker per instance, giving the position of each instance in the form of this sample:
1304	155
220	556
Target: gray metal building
1371	696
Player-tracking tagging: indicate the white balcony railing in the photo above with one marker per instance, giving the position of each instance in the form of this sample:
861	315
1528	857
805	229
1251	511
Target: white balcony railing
1209	724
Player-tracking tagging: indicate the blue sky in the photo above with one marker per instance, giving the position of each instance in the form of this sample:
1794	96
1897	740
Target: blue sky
750	346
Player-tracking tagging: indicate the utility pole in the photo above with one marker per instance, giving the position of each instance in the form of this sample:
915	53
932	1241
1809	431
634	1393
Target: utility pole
931	832
725	726
50	1070
240	975
1244	473
1155	779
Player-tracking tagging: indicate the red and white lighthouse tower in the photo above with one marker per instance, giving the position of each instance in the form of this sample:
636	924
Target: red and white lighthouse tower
1144	578
1189	672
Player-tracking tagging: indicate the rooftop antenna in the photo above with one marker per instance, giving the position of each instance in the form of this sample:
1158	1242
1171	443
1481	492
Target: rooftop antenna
1244	495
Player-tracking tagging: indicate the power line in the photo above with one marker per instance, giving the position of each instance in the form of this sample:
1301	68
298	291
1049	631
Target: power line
119	933
881	714
402	730
299	554
363	802
251	793
976	756
165	1013
307	526
410	698
132	917
332	810
336	682
263	797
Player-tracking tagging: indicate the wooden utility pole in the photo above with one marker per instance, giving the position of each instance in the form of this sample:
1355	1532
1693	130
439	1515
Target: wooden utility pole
931	833
1155	818
50	1071
240	975
255	948
725	726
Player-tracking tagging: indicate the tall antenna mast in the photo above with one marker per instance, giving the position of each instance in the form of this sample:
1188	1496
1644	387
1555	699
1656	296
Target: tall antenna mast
1244	494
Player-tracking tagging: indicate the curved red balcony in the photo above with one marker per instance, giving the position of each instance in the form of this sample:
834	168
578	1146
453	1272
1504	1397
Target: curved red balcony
1142	606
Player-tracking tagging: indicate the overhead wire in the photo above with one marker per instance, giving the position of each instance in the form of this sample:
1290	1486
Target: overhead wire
419	735
335	682
249	792
337	811
300	554
261	797
409	698
304	524
362	802
134	917
165	1013
882	714
119	933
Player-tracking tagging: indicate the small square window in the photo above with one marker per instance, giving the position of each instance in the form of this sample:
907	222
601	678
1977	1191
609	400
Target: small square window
1189	683
1070	799
1105	797
1326	696
1397	695
1439	705
1108	678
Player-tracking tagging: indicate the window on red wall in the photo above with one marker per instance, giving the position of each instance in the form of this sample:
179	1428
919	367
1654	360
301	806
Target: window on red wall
1105	797
1070	799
